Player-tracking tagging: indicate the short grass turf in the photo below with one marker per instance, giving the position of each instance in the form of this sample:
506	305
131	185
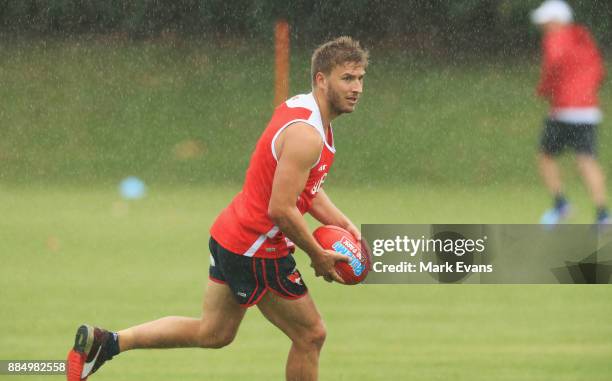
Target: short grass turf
95	109
73	255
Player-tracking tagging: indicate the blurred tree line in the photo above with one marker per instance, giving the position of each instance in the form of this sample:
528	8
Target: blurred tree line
495	26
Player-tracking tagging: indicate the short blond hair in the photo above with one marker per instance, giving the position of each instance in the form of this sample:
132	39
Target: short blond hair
337	52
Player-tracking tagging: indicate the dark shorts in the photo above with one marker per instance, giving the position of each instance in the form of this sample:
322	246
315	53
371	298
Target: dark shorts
556	136
250	278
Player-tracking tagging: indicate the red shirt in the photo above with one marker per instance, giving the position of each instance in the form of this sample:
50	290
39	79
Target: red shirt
244	227
572	68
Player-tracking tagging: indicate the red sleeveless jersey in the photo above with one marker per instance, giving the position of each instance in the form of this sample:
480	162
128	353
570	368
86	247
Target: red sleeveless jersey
244	227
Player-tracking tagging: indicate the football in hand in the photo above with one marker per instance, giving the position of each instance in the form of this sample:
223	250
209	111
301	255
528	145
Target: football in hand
334	238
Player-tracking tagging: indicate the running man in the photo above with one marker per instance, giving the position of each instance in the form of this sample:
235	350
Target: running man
572	72
253	239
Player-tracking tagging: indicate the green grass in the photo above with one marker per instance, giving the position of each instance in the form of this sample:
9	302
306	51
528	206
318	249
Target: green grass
431	142
95	109
79	254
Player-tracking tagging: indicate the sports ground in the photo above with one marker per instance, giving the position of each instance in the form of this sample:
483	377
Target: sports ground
430	144
73	255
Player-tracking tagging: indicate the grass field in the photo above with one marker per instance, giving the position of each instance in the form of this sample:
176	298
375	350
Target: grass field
94	109
72	255
431	142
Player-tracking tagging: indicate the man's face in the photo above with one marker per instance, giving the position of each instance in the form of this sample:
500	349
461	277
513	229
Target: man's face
344	85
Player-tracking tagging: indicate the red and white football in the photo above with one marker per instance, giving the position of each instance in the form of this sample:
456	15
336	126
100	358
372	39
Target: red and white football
334	238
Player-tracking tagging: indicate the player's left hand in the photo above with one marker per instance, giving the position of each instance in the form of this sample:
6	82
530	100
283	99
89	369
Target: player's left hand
351	228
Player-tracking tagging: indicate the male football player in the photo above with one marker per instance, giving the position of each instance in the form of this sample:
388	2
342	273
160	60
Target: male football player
253	239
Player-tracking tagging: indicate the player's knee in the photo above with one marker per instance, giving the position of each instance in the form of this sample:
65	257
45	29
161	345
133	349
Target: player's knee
215	339
319	335
314	337
221	341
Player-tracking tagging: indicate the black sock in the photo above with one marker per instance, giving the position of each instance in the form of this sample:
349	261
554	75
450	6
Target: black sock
560	201
112	348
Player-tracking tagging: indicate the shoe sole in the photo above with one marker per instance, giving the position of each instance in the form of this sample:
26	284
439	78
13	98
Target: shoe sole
83	341
569	211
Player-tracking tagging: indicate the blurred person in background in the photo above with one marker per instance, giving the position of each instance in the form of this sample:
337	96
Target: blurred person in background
572	72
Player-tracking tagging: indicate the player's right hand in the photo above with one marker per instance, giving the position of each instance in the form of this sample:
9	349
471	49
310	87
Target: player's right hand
323	265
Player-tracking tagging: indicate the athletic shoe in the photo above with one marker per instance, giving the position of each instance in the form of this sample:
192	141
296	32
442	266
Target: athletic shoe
555	215
603	220
90	351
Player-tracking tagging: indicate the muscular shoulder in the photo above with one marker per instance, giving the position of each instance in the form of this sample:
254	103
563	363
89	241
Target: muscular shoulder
301	141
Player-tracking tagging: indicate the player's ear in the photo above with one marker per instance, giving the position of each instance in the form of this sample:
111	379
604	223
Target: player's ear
320	80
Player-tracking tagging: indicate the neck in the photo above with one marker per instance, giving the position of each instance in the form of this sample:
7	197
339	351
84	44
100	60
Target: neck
554	26
327	113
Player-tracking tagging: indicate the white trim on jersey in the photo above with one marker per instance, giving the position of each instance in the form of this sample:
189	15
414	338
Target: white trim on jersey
577	115
260	240
287	125
308	101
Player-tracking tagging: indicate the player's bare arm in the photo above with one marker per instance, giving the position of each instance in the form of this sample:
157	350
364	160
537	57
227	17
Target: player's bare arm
298	148
327	213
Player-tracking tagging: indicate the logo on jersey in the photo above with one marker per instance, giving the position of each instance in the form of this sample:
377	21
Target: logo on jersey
315	189
322	167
